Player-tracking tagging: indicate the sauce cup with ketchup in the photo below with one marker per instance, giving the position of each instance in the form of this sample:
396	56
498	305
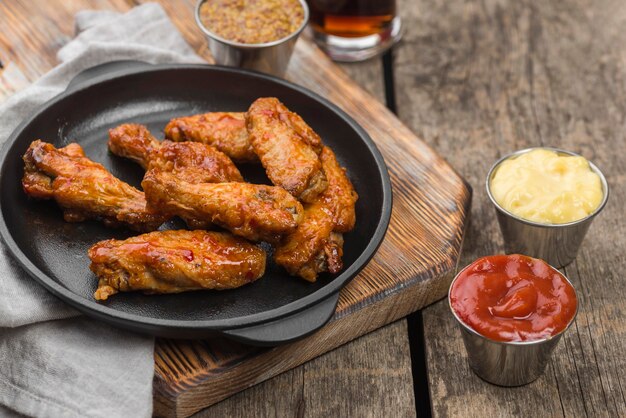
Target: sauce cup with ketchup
512	311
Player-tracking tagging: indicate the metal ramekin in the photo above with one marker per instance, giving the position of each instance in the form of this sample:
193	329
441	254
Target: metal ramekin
557	244
514	363
269	57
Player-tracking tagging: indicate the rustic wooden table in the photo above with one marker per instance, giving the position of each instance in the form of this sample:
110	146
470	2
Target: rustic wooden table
476	80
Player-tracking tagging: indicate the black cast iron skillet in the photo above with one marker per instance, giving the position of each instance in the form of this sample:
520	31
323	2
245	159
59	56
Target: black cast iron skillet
273	310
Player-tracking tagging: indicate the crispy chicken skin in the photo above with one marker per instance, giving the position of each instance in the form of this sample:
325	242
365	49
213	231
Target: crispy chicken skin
225	131
256	212
84	189
287	147
193	162
133	141
340	196
314	247
175	261
317	245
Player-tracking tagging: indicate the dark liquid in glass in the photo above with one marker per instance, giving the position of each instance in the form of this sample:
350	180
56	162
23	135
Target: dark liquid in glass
351	18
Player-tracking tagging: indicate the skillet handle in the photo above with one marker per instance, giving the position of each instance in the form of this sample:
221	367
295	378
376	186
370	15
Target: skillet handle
102	69
287	329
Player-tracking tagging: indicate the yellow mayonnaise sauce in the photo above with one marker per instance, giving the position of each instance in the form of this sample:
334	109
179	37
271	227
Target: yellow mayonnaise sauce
543	186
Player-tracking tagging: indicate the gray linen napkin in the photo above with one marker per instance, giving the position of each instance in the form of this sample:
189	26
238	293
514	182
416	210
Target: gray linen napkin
53	362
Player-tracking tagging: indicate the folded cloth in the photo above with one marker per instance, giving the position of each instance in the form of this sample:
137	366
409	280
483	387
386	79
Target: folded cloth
54	362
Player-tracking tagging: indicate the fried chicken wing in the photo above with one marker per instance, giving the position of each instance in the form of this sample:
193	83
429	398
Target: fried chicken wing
256	212
287	147
133	141
317	245
84	189
340	196
225	131
175	261
313	248
193	162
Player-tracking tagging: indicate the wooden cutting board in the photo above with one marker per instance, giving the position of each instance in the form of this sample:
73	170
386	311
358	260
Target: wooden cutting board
412	268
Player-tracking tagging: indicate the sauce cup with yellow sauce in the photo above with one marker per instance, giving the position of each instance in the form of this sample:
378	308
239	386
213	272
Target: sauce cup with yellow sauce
535	217
245	38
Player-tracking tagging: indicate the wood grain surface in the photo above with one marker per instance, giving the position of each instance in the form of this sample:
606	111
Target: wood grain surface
479	79
401	279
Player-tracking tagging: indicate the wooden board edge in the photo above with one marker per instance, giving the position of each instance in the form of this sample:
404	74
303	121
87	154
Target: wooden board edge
465	196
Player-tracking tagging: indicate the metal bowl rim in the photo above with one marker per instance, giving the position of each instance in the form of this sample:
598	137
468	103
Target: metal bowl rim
512	343
240	45
593	167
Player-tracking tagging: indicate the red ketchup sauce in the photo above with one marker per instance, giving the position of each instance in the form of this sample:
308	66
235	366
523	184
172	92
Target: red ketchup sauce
513	298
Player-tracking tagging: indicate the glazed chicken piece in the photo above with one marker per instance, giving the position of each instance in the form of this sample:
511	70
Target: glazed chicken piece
340	196
225	131
256	212
174	262
193	162
313	247
287	147
133	141
84	189
317	245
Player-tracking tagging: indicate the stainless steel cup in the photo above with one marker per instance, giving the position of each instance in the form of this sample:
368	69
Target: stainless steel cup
557	244
270	57
506	363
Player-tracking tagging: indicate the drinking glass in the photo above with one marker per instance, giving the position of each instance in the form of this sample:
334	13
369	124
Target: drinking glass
354	30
